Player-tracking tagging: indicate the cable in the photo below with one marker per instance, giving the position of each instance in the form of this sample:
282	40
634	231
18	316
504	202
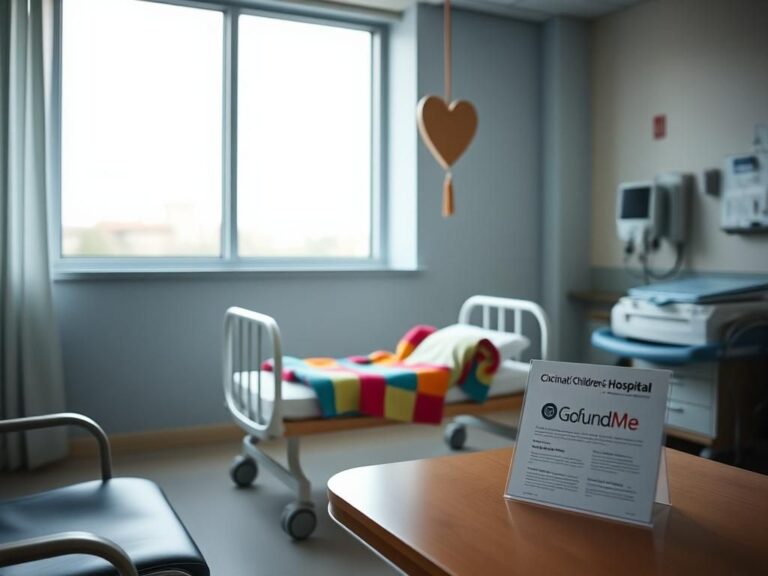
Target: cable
646	270
647	273
675	269
760	142
740	327
633	273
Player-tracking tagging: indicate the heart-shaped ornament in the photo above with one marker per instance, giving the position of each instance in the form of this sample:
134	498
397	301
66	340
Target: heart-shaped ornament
447	130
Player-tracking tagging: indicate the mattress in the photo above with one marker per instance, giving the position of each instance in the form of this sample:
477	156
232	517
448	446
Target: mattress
300	401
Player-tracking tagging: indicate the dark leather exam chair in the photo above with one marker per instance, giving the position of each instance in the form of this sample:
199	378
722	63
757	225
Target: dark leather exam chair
108	527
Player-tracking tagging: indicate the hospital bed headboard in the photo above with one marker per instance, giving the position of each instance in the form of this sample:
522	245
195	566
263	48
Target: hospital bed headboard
249	339
493	306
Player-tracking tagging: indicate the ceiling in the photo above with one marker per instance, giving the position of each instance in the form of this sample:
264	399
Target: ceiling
528	9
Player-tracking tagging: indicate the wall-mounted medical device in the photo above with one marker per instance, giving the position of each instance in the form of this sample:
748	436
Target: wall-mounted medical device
745	193
649	212
637	215
674	192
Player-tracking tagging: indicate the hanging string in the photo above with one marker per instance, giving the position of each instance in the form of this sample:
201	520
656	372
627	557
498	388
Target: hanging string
448	195
448	182
447	49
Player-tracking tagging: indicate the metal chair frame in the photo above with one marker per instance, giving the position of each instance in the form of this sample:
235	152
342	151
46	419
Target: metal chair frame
75	542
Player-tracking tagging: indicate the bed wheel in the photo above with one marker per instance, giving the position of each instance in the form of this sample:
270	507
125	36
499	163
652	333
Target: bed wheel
243	470
298	521
455	435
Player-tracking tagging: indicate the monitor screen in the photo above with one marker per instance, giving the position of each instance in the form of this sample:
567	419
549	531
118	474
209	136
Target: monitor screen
745	164
635	201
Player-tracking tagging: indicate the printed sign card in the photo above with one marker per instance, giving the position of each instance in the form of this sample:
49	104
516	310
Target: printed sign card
590	439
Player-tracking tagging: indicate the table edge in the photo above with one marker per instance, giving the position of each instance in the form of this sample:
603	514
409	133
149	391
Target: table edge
391	548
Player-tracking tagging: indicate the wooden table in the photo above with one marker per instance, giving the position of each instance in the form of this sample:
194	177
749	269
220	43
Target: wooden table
448	516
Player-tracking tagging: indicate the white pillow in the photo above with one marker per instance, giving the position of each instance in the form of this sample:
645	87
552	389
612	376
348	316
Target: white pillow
509	345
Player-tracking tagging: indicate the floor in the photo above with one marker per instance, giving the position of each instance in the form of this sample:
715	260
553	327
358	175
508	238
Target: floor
238	530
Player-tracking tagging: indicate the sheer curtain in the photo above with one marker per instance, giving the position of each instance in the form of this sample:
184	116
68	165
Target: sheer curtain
30	360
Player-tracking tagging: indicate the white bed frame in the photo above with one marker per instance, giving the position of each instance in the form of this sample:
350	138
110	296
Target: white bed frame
251	337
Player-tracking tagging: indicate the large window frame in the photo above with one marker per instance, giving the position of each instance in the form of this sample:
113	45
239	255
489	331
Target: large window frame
229	259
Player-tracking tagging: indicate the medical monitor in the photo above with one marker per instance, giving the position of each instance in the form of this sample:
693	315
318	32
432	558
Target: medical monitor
635	202
636	210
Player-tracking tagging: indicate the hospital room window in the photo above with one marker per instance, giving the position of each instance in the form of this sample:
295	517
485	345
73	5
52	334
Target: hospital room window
214	137
140	129
304	135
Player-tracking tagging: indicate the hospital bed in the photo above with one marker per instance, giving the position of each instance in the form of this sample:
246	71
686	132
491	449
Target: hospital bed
266	407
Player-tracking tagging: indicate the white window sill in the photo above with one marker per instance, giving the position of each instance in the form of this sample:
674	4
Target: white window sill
63	272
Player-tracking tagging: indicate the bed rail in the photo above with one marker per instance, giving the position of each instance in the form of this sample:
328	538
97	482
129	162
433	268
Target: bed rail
501	306
246	333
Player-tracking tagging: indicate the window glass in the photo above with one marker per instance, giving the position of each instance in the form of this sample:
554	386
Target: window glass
304	139
141	129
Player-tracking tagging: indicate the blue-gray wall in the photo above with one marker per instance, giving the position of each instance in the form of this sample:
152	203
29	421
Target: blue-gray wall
565	231
145	354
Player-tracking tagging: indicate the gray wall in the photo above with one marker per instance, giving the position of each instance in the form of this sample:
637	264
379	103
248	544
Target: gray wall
566	179
145	353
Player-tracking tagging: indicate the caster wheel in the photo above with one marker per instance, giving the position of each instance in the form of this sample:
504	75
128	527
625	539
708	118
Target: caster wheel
243	471
455	435
298	521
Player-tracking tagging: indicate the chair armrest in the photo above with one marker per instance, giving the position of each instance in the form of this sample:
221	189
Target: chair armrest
65	419
65	543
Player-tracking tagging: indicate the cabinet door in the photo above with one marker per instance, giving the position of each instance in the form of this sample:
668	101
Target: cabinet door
691	418
696	384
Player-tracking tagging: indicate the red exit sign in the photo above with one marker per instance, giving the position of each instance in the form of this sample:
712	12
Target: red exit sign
659	126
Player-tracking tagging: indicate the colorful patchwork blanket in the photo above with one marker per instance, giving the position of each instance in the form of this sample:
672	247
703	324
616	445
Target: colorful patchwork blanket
384	384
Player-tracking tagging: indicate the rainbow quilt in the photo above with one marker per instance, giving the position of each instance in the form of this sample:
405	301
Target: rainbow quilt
383	385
